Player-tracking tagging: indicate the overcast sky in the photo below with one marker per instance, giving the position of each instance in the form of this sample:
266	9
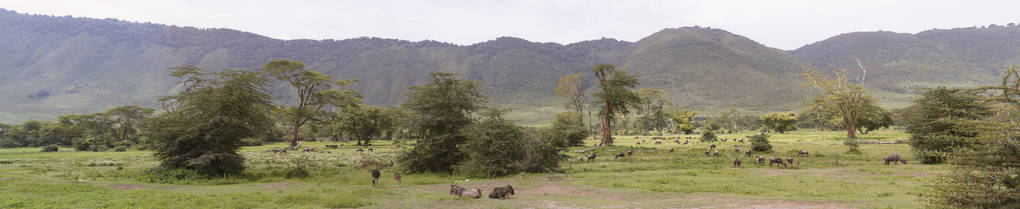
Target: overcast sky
780	24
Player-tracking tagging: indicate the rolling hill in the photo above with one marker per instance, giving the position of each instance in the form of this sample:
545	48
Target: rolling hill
65	65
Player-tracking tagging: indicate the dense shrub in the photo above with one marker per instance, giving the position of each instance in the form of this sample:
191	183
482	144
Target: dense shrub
939	122
498	147
760	142
569	127
708	136
50	148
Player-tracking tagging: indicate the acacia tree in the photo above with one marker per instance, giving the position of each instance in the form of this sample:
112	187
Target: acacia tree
681	120
615	96
440	109
571	88
848	97
731	119
203	126
127	121
651	108
780	122
315	93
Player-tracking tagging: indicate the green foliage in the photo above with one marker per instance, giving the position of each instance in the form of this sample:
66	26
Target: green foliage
681	120
568	128
364	122
760	142
708	136
614	96
780	122
873	117
651	110
853	144
847	96
206	123
498	147
439	110
315	92
939	122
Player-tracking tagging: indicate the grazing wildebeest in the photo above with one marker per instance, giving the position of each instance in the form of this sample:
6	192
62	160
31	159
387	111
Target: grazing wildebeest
789	160
370	149
671	150
713	146
761	161
747	153
723	139
502	192
360	150
396	177
776	160
737	150
802	152
638	143
715	154
707	153
895	158
741	140
375	176
658	142
619	155
685	142
736	162
592	157
630	152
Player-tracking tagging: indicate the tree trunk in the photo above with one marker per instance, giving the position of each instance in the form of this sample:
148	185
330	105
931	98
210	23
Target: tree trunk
607	133
590	130
851	129
294	134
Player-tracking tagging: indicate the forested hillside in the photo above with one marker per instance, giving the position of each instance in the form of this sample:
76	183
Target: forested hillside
65	65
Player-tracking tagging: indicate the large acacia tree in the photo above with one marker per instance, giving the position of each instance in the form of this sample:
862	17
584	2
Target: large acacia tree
315	93
615	96
571	88
846	96
439	110
203	126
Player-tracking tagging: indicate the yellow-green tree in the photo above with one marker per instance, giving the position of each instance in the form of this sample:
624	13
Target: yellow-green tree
315	92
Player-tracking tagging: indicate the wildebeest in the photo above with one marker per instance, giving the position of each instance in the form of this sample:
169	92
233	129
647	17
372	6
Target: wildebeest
670	150
737	150
502	192
472	193
707	153
360	150
761	160
713	146
895	158
370	149
658	142
789	160
456	190
591	157
715	154
776	160
736	162
741	140
619	155
375	176
803	152
685	142
747	153
630	152
723	139
396	177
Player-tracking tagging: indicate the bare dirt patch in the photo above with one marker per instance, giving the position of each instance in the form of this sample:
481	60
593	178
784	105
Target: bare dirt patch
735	202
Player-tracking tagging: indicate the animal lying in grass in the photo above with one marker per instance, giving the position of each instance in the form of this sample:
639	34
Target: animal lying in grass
895	158
461	191
502	192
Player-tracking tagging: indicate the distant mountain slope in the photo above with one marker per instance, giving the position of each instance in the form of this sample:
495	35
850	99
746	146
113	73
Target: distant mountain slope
61	65
899	64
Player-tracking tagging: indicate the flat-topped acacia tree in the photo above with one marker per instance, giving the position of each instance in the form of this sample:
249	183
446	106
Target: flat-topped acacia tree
615	96
315	92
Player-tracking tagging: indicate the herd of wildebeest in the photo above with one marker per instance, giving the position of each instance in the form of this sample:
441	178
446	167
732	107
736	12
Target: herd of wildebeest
508	191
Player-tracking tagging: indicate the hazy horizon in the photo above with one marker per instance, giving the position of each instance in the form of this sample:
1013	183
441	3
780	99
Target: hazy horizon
468	22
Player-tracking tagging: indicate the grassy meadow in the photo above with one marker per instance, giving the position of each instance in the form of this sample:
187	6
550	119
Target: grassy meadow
339	178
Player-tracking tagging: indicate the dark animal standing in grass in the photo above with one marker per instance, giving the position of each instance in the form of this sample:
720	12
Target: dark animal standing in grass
747	153
761	160
715	154
737	150
789	160
802	152
707	153
686	142
658	142
713	146
736	162
396	177
502	192
360	150
670	150
630	152
775	161
895	158
370	149
592	157
375	176
741	140
619	155
723	139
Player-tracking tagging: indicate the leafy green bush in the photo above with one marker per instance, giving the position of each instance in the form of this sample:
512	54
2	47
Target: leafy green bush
498	147
50	148
569	127
941	120
760	142
708	136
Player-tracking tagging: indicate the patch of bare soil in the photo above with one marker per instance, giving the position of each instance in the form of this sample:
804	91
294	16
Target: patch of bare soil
732	202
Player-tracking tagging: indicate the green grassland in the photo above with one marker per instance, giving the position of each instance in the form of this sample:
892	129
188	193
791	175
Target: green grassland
339	178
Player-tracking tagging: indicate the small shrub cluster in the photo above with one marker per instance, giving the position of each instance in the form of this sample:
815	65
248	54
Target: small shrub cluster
708	136
760	142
